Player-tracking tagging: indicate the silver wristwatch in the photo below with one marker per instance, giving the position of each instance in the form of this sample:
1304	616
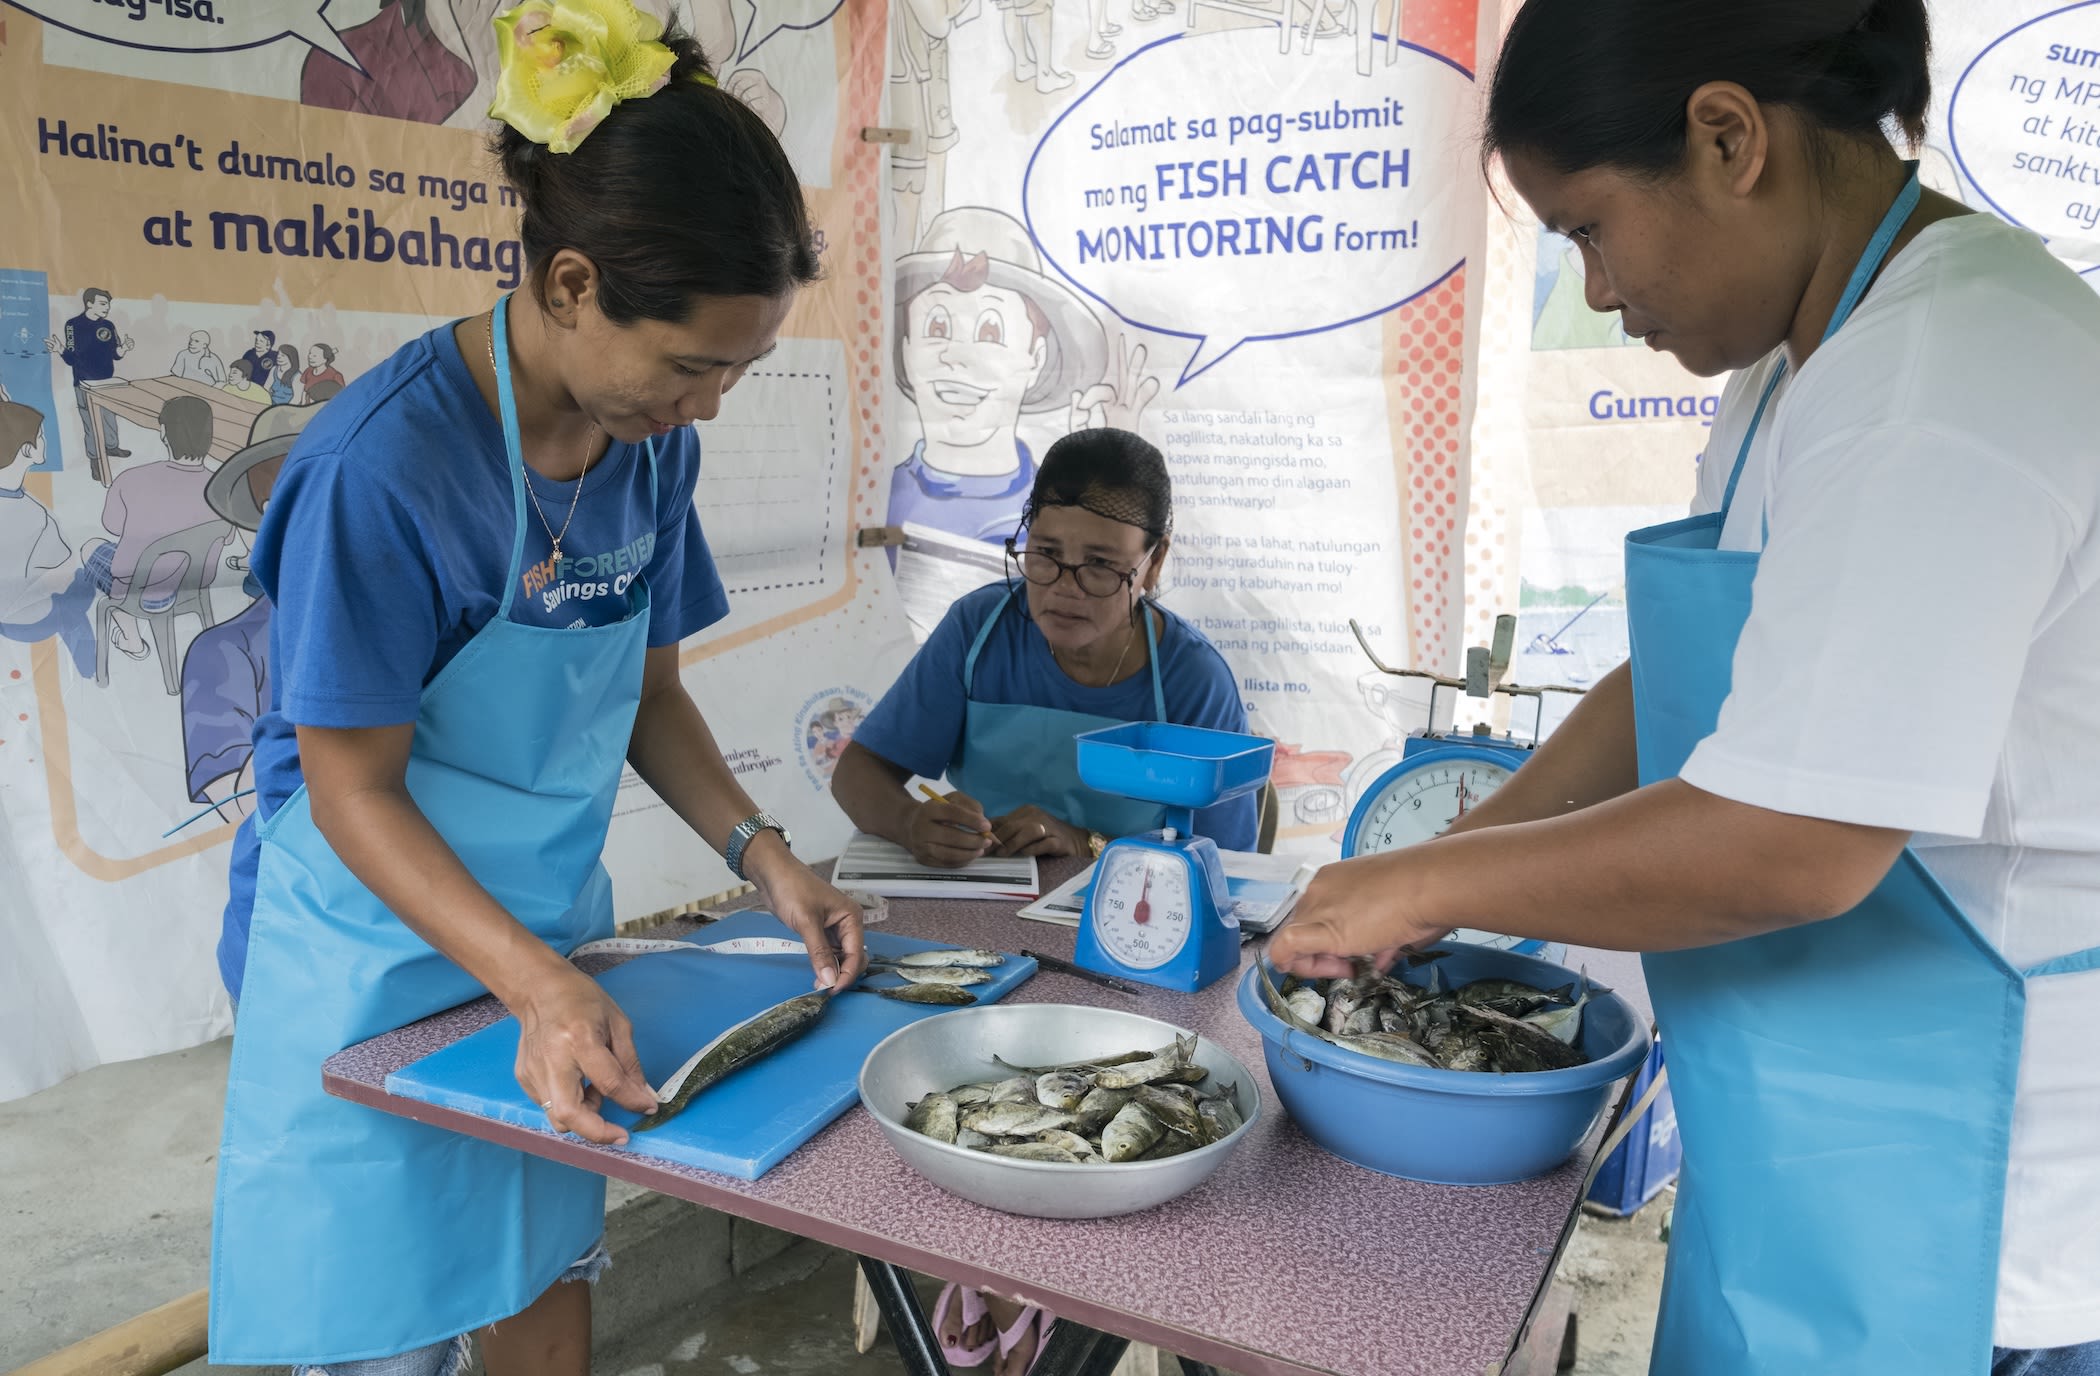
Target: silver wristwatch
740	838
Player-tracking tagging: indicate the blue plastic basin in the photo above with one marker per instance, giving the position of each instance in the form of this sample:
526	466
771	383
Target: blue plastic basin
1451	1127
1181	766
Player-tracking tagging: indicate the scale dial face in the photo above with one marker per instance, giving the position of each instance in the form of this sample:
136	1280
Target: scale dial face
1419	799
1142	911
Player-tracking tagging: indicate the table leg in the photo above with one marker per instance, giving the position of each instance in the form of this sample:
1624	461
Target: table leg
917	1343
1076	1350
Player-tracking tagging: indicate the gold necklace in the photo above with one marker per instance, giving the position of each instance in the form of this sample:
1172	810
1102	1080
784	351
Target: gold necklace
1113	674
590	442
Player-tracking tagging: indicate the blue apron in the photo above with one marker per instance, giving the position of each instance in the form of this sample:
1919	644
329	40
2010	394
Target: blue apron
1014	754
341	1232
1845	1088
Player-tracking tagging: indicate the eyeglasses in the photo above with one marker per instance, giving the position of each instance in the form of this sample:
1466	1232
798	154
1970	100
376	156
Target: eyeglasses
1093	579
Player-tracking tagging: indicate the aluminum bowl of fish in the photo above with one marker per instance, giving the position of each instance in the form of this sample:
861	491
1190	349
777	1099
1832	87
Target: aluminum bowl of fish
1475	1067
1097	1113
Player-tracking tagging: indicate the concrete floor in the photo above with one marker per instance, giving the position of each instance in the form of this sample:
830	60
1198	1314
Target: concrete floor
105	1212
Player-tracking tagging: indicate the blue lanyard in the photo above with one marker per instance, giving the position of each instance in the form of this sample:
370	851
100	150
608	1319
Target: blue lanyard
1870	262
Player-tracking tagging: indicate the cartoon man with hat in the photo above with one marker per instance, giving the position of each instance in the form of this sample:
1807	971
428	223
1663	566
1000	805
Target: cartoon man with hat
986	338
226	673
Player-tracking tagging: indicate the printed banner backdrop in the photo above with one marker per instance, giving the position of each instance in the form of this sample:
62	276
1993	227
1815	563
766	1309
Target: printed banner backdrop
1249	241
209	200
1590	434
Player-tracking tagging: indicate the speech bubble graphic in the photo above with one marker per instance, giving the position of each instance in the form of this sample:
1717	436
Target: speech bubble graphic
2024	122
1206	187
194	26
780	15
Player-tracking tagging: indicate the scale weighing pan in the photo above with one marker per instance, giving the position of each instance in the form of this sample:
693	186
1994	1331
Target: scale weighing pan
1180	766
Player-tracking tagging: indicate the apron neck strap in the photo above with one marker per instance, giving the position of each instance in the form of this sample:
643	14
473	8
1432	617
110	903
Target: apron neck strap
1863	273
513	449
984	633
1159	693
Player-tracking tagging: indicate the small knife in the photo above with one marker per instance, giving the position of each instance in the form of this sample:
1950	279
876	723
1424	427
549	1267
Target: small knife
1066	967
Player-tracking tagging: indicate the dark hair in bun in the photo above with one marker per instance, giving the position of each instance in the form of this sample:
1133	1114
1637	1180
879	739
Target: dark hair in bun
677	195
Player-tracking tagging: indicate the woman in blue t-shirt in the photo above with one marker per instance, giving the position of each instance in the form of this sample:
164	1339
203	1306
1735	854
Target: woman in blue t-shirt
482	557
1072	642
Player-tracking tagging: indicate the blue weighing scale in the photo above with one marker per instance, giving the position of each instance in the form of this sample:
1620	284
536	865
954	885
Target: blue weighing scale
1159	911
1442	775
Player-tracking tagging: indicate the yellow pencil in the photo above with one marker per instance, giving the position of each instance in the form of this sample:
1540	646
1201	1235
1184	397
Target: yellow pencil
935	795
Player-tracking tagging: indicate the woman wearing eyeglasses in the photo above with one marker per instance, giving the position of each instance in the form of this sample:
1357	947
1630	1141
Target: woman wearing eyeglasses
1072	641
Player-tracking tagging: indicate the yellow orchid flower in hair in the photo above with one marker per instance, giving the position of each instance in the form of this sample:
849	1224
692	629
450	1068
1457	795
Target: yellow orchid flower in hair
564	64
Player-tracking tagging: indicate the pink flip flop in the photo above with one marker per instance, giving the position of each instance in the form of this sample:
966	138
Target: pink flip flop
972	1315
1010	1338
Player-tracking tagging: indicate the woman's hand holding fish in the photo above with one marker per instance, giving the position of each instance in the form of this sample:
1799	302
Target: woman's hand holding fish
828	922
1358	907
575	1051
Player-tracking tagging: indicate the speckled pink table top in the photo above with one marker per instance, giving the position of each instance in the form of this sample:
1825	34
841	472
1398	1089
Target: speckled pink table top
1288	1260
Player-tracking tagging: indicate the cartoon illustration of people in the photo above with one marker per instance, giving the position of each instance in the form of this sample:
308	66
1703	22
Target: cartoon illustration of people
226	672
261	357
1028	26
320	372
436	63
44	591
284	375
409	70
240	381
91	347
919	93
829	732
148	503
984	338
197	363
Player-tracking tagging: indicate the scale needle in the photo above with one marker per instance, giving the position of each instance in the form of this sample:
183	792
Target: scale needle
1143	911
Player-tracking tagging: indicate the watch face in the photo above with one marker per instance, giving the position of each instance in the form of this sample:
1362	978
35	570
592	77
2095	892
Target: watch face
1417	802
1141	907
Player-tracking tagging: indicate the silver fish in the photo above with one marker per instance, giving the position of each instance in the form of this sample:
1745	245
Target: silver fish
1015	1120
1565	1024
1070	1141
1220	1117
975	1141
1017	1089
970	1096
1097	1063
1101	1105
936	1116
748	1041
1172	1110
975	957
1518	1046
1364	1019
942	974
1062	1089
1171	1143
1306	1005
1037	1151
1158	1067
946	994
1132	1132
1389	1046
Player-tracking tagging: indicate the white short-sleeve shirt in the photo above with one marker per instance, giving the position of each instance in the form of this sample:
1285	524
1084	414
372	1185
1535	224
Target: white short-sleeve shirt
1923	653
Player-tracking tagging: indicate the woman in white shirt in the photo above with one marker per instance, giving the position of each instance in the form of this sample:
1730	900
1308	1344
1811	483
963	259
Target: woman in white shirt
1846	793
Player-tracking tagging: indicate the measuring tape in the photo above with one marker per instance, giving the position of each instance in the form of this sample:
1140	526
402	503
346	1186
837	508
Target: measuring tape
735	946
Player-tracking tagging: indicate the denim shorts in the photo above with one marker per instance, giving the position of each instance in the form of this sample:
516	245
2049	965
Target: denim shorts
449	1357
2082	1360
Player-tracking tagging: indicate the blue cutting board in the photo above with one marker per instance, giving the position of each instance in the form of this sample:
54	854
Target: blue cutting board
748	1123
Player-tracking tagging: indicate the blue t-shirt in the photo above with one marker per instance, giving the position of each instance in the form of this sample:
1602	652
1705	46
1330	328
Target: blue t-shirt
384	547
918	725
976	507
